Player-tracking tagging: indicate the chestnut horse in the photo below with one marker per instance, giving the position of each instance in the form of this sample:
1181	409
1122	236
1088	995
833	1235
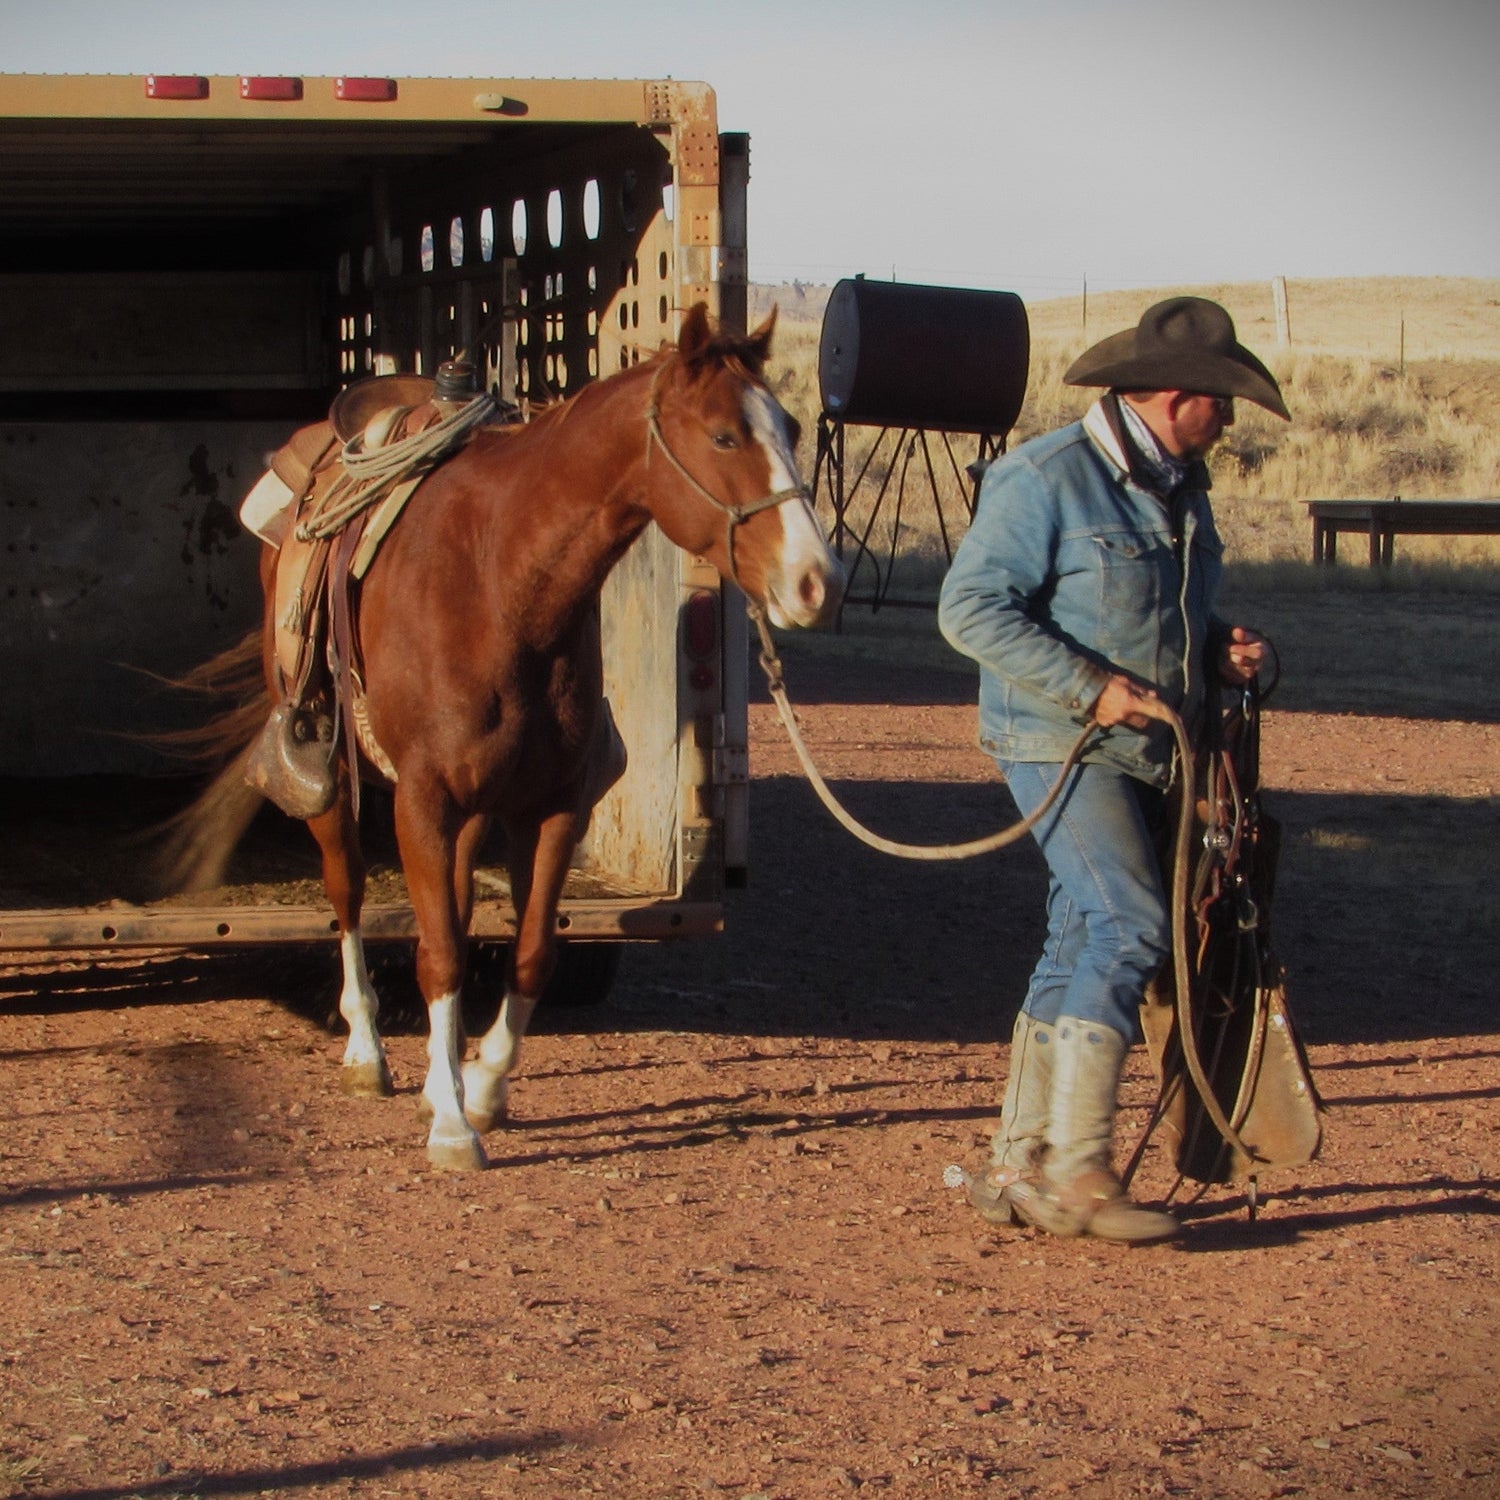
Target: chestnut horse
478	630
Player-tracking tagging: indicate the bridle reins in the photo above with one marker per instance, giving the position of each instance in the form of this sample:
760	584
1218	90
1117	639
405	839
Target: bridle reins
736	516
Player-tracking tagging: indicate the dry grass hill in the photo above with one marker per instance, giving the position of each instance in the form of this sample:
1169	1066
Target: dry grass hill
1394	386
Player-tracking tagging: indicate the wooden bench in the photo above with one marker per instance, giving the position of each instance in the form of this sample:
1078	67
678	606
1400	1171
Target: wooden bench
1381	520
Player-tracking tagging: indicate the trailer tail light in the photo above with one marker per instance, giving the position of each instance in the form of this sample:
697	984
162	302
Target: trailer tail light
270	88
700	636
175	86
365	90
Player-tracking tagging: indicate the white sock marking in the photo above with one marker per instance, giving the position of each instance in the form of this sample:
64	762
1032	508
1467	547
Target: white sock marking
444	1088
359	1005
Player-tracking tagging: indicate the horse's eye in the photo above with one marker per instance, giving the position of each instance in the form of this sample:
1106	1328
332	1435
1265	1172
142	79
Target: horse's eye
725	440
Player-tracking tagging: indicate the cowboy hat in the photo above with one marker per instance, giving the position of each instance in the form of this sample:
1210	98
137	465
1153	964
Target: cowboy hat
1182	344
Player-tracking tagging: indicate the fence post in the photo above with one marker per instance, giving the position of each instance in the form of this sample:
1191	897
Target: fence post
1283	312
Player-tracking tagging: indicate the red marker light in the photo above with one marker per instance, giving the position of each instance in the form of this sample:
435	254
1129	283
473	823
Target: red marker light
365	90
270	88
176	86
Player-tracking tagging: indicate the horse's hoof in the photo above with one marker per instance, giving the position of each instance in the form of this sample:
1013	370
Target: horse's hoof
464	1154
486	1099
366	1080
485	1121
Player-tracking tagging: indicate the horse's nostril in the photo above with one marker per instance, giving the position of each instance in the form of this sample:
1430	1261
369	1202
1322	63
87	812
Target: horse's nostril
812	590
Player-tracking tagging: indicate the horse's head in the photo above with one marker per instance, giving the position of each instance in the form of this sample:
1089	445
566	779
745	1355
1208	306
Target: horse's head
723	473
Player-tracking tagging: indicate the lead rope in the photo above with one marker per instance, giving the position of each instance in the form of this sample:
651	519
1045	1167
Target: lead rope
771	665
1182	975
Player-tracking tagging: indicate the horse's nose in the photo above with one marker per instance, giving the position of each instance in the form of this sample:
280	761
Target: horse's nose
812	591
820	590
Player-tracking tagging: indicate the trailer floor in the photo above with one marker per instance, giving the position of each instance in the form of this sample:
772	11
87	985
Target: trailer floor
89	840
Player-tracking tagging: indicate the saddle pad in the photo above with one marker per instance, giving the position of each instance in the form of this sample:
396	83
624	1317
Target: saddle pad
266	511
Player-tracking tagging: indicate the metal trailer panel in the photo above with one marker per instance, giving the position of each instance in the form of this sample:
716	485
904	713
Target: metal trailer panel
122	557
122	96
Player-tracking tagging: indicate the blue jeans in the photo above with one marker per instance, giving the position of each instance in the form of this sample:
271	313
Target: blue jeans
1108	916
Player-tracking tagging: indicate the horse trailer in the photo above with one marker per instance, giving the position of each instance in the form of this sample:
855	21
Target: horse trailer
193	267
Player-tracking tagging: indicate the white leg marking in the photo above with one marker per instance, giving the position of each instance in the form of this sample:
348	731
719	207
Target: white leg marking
444	1088
485	1078
500	1048
451	1143
364	1069
798	587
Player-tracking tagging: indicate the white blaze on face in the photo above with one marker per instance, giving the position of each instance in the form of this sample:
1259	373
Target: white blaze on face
798	585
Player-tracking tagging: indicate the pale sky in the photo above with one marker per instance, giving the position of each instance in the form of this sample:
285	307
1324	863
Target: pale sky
986	143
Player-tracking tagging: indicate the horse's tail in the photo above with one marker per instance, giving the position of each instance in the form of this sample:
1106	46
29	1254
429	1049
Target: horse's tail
192	848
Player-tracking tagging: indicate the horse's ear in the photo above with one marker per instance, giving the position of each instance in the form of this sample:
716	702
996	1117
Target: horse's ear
760	340
693	339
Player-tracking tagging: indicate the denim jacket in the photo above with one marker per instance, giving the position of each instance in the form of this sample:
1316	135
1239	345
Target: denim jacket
1071	572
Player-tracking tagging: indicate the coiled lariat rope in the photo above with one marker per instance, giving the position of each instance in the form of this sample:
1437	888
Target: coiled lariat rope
1181	849
370	475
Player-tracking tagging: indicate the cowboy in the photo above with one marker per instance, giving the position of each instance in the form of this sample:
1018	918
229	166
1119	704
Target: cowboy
1084	589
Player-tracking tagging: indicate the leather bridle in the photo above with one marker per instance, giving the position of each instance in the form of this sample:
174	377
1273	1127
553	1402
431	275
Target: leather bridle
735	515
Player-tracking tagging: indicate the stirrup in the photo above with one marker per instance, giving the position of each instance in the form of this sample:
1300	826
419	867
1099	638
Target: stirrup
292	761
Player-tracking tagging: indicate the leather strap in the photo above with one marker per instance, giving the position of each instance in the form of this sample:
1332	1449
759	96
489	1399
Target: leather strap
340	610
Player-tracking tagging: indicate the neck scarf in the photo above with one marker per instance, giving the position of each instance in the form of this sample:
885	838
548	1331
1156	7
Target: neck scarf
1160	472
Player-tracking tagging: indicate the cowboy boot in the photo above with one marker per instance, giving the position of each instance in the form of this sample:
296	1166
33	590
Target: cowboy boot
1078	1192
1017	1144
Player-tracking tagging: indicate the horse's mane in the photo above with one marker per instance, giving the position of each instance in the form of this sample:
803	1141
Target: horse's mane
736	352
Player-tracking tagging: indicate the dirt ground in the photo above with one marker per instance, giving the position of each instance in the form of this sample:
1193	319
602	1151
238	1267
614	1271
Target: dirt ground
714	1254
